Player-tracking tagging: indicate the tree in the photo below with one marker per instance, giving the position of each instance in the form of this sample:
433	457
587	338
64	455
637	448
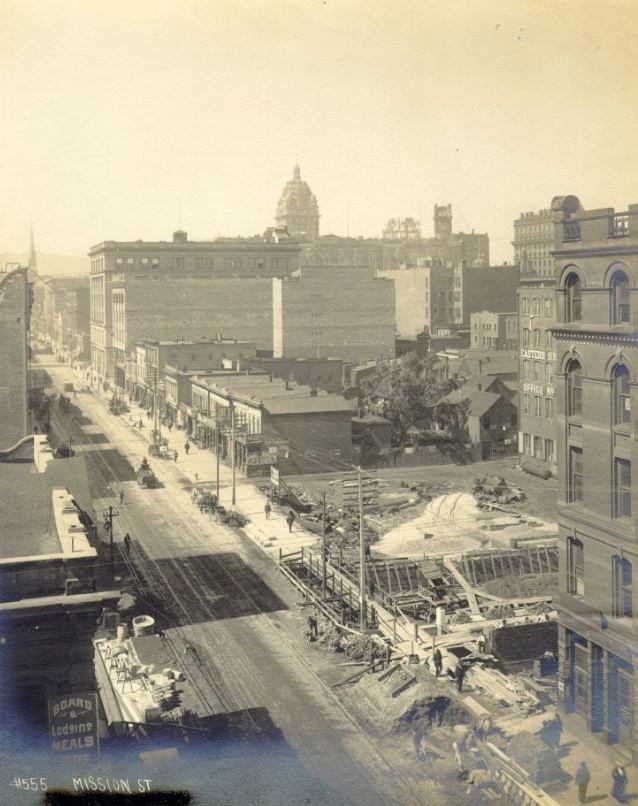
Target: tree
409	392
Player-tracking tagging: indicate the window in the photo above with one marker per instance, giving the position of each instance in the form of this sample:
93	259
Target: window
549	373
619	298
525	337
537	406
526	408
622	488
549	307
486	422
119	261
575	567
537	370
527	370
574	389
144	261
573	288
537	339
621	588
130	261
525	306
527	444
549	341
232	263
538	448
549	408
536	306
549	450
155	262
621	395
575	481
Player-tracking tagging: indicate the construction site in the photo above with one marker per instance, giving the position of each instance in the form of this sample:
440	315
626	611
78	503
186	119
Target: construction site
441	601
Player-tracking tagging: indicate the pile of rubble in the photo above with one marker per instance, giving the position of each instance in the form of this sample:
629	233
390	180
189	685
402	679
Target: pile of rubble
489	490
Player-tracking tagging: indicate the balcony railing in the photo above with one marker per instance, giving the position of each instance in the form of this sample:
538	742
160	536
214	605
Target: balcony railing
619	225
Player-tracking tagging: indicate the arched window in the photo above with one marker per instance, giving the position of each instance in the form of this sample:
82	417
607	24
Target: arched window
621	393
574	298
619	298
574	389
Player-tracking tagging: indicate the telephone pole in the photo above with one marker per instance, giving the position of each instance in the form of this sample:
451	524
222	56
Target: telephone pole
323	546
108	526
232	446
362	557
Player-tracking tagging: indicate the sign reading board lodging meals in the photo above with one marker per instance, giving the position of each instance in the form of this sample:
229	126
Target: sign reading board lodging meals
73	722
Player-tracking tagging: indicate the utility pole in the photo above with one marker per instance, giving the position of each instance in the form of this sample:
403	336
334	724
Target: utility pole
108	526
217	443
232	445
323	546
156	434
362	558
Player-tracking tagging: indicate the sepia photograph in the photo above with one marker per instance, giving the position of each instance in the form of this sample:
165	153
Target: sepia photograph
318	344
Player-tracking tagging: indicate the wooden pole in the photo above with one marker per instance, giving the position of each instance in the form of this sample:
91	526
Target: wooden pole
232	450
362	558
323	545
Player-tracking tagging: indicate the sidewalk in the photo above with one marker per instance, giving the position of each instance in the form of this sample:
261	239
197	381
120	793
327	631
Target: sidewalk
199	466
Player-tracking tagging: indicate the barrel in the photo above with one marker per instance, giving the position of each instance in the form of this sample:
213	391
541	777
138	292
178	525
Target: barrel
143	625
122	632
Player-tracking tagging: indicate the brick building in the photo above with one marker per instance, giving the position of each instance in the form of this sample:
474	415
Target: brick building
151	357
14	325
536	362
329	312
479	287
325	374
596	405
424	297
494	331
182	289
65	314
535	236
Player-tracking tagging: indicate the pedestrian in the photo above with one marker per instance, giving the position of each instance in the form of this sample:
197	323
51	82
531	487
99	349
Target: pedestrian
459	675
127	543
438	662
187	447
140	424
121	496
290	519
416	740
149	414
267	510
582	779
175	454
619	777
558	729
170	426
313	627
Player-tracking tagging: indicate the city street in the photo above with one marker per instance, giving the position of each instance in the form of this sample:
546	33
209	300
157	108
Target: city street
217	592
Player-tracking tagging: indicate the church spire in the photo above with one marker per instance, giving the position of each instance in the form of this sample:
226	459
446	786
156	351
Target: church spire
33	260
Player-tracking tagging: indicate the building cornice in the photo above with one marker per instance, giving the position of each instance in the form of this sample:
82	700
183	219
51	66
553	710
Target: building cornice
595	336
595	251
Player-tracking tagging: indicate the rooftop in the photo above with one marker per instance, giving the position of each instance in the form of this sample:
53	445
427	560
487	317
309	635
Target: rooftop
27	510
275	395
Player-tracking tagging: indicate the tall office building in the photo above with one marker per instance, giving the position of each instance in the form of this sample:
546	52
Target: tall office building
535	236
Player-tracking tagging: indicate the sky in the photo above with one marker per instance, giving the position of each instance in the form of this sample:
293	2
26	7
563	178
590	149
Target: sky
123	120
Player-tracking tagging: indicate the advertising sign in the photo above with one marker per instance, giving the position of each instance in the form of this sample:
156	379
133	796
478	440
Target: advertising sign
274	476
73	725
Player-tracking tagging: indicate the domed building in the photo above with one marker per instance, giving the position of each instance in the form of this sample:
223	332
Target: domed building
298	209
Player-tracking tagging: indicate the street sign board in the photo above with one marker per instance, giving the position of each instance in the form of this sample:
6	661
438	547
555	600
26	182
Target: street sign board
73	720
274	476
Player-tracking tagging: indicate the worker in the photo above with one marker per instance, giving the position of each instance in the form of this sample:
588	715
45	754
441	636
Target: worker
482	645
140	424
175	455
127	543
368	554
267	510
313	628
290	519
459	676
187	447
438	662
121	496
